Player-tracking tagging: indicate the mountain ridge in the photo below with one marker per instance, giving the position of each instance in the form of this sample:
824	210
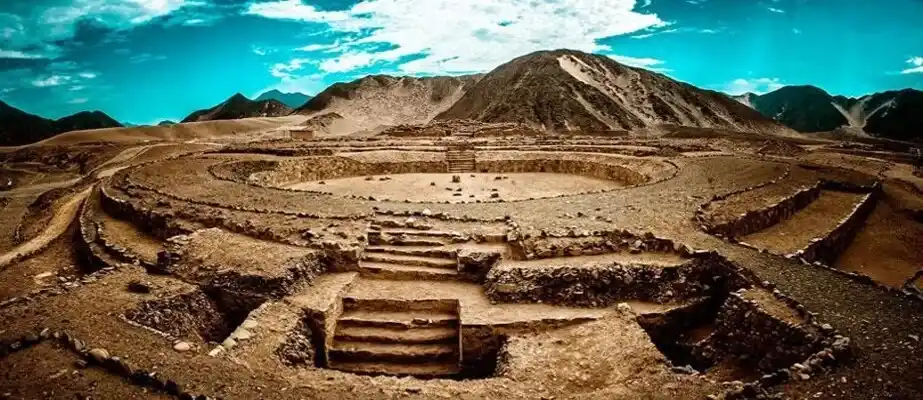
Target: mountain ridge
18	127
291	100
568	90
239	106
892	114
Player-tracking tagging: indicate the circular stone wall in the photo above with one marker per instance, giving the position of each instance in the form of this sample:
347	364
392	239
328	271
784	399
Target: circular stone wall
423	177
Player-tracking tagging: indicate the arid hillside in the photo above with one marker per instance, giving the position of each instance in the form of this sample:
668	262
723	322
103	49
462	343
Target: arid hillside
377	101
568	90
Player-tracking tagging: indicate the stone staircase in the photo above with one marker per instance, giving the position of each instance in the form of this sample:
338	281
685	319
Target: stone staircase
460	159
397	337
408	254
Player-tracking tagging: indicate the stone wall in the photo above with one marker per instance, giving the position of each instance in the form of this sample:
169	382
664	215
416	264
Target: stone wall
829	247
605	285
757	220
591	169
745	331
159	225
573	243
320	168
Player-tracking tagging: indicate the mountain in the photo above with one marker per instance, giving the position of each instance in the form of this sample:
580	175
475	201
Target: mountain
377	101
166	122
892	115
566	90
239	106
802	108
291	100
18	127
86	120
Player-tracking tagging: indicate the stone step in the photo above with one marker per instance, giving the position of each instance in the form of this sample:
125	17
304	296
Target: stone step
436	306
409	241
431	370
428	334
405	272
402	319
433	262
392	352
423	251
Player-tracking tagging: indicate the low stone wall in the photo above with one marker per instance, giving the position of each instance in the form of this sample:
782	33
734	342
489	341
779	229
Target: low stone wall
605	285
157	224
592	169
320	168
573	243
757	220
829	247
744	329
240	171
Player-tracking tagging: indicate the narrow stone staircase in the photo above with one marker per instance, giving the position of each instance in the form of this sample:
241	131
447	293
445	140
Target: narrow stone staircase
397	337
460	159
408	255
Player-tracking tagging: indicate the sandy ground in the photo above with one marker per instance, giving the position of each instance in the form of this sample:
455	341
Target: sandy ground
815	220
55	228
477	186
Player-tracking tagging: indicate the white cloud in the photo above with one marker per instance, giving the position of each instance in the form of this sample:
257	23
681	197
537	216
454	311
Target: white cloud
294	9
646	4
19	55
50	81
916	66
145	57
776	10
319	47
88	75
796	31
284	70
57	21
76	88
80	100
259	51
450	36
642	62
757	85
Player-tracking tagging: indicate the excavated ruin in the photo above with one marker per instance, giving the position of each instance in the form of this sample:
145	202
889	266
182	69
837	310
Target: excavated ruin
320	263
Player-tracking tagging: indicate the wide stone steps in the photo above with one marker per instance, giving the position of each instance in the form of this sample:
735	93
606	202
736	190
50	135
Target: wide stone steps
429	370
399	259
396	337
417	335
420	251
460	160
398	319
400	272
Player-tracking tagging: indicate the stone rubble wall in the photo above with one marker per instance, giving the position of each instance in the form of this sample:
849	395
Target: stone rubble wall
160	225
321	168
829	247
757	220
744	329
591	169
574	243
605	285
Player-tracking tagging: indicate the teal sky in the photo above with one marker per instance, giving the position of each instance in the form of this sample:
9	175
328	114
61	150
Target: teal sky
142	61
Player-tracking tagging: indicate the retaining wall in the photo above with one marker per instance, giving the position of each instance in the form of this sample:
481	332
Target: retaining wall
829	247
757	220
605	285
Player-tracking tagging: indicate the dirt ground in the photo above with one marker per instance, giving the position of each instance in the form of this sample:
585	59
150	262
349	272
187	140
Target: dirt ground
391	257
434	187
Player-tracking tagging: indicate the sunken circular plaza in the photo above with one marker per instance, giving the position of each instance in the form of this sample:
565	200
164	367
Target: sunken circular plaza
600	268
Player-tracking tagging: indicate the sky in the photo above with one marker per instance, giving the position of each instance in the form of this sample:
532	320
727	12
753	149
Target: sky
142	61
